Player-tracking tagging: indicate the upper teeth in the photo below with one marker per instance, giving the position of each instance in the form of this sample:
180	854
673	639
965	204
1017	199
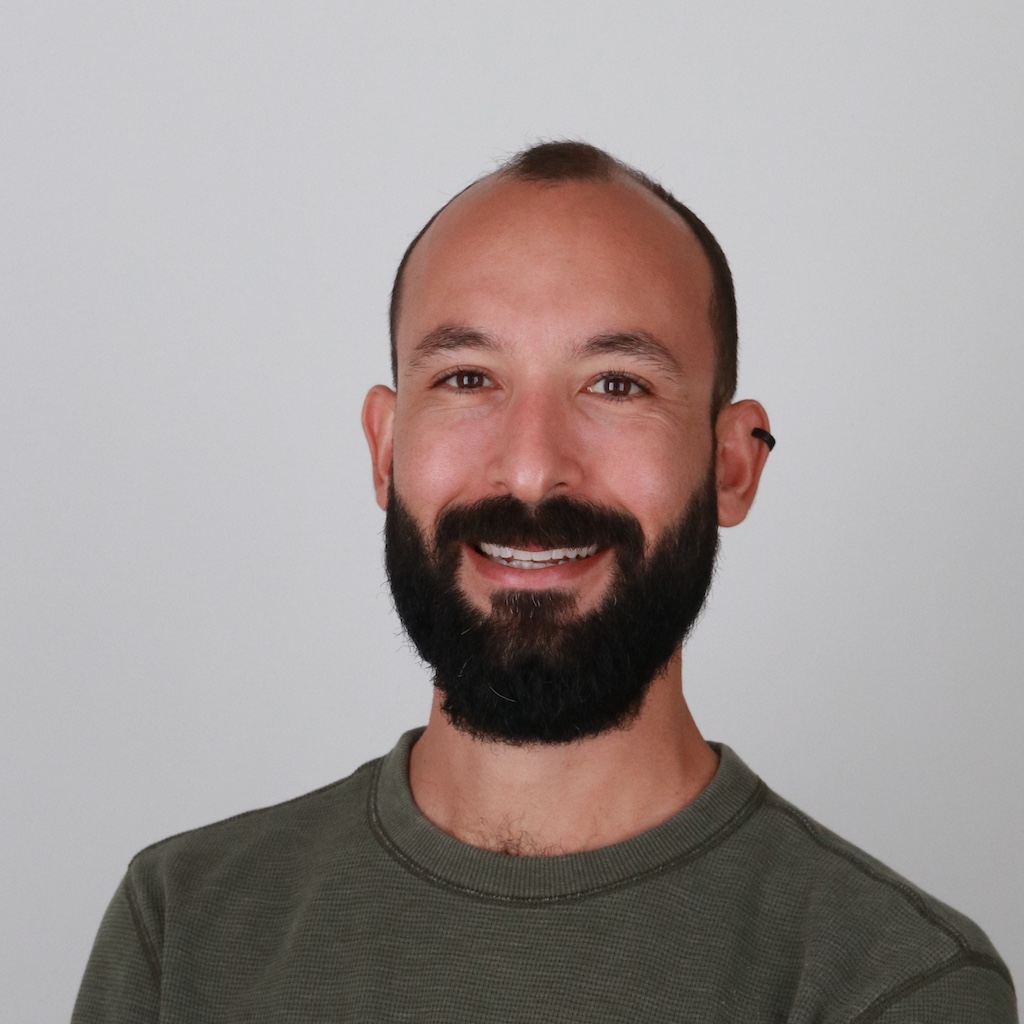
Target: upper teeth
521	559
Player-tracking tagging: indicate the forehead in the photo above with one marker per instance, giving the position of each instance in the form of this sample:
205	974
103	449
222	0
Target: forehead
560	259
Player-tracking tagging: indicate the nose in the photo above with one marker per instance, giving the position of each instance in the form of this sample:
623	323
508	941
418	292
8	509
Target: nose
536	451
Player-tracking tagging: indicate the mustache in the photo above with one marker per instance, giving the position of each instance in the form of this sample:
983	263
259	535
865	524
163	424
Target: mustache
556	522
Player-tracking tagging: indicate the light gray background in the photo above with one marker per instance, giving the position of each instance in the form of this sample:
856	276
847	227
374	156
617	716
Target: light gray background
203	205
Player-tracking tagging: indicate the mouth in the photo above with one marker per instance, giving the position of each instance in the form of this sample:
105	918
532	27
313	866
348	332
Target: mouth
520	558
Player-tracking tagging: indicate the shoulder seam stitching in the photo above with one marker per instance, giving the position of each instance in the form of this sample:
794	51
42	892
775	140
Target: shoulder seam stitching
957	962
148	949
910	895
256	810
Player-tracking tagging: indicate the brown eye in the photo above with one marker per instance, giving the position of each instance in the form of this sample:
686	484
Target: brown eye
616	385
466	380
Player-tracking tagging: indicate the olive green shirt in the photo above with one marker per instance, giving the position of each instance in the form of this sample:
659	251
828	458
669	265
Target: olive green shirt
348	905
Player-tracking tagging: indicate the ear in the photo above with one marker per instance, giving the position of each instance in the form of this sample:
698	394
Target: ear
379	428
741	457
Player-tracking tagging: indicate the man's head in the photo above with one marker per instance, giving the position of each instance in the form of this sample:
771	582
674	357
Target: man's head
555	162
558	453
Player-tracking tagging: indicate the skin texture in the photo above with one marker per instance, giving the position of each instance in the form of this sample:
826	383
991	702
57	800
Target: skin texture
554	339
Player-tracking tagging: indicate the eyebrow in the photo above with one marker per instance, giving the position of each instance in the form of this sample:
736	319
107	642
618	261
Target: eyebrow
448	338
638	344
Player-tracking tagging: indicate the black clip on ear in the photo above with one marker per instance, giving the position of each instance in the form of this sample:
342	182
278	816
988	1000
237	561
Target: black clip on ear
763	435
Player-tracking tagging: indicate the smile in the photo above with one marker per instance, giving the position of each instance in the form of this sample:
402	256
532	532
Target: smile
517	558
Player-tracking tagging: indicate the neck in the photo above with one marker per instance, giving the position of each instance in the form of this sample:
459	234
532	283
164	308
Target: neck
545	800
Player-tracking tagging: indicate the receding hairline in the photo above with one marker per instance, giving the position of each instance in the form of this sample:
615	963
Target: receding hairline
566	162
513	190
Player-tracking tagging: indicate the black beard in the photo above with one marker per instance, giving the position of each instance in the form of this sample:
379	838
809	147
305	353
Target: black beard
533	670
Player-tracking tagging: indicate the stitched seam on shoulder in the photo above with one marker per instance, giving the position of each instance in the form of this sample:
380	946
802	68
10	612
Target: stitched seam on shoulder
957	962
260	810
742	815
148	948
912	897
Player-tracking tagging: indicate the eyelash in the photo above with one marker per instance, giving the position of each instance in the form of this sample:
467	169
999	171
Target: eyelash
450	376
459	371
620	375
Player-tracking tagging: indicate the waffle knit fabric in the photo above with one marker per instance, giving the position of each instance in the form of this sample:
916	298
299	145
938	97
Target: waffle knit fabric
348	905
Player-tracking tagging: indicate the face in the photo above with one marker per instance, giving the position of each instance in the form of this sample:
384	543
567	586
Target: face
553	343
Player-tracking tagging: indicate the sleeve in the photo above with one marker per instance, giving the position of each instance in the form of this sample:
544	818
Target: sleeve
122	976
969	994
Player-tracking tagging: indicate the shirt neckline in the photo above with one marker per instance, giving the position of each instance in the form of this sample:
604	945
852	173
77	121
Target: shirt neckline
723	805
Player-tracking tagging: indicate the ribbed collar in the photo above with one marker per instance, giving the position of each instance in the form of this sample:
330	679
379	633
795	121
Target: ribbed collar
729	799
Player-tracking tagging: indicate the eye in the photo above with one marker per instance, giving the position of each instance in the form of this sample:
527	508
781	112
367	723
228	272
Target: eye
617	385
465	380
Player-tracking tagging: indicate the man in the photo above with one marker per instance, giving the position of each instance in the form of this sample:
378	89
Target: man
559	843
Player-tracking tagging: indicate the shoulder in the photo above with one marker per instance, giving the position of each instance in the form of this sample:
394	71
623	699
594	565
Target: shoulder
295	820
249	855
844	876
867	937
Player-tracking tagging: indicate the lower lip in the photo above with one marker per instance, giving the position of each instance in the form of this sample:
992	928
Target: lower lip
559	574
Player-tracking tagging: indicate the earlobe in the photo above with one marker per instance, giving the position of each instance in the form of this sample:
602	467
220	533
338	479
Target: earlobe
742	453
379	426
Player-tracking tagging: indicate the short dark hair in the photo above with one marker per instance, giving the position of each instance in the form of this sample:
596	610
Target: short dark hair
578	161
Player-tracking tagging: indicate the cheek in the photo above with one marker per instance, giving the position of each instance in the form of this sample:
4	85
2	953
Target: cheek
432	462
654	477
